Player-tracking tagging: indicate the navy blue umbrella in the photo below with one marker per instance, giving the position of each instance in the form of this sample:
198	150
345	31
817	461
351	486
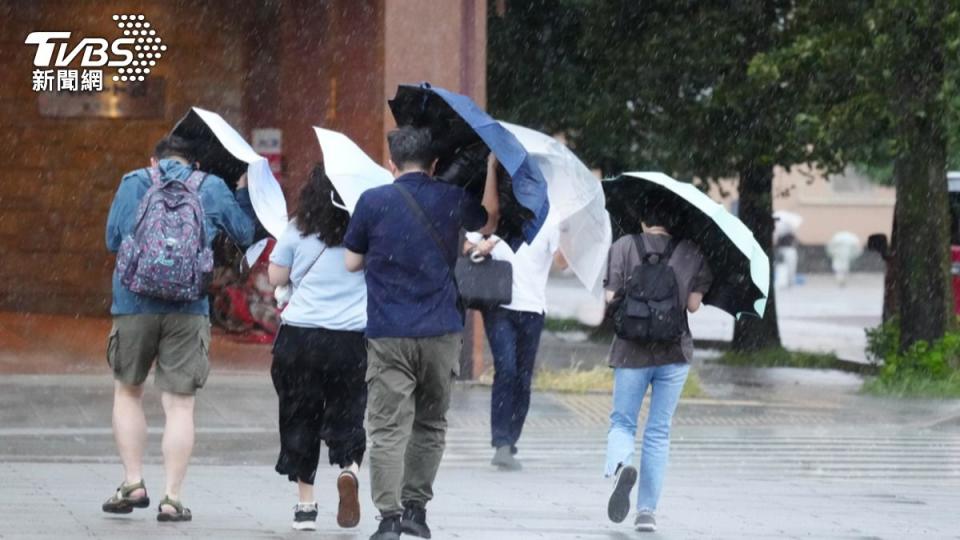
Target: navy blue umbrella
463	135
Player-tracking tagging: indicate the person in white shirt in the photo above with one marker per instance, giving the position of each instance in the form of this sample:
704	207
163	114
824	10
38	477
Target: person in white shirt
320	355
513	331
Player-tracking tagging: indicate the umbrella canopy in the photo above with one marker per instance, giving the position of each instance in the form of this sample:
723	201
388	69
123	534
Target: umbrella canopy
350	169
463	135
785	223
577	205
223	152
741	269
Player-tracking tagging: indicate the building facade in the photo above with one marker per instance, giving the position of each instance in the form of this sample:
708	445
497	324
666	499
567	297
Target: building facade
284	65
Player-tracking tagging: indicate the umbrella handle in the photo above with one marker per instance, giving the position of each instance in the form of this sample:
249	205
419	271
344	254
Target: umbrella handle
476	257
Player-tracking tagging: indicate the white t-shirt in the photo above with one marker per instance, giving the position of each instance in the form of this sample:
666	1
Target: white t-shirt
328	296
531	268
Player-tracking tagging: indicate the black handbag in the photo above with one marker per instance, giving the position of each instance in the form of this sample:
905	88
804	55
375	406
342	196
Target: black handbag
483	282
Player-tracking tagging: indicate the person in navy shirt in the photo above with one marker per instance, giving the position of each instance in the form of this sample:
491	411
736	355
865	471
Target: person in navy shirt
405	237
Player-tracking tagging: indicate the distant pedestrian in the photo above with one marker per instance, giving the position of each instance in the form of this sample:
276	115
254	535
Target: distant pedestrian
163	221
513	331
320	355
405	236
652	281
843	248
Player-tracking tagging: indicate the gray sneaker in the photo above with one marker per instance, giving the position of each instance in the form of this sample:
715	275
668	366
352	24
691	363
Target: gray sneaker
645	522
505	461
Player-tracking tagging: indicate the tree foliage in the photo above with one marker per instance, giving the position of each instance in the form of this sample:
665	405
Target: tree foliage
876	81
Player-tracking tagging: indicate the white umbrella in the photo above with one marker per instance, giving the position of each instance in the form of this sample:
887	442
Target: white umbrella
785	223
350	169
577	204
265	193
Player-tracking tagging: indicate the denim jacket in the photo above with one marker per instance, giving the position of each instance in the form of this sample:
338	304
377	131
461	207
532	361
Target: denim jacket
223	212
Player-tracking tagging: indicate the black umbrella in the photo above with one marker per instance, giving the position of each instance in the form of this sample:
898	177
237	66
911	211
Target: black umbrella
463	135
740	267
214	158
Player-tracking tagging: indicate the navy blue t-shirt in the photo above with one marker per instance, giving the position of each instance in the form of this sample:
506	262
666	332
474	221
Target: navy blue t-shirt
410	289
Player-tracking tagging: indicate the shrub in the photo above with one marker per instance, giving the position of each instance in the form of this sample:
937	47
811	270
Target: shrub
923	370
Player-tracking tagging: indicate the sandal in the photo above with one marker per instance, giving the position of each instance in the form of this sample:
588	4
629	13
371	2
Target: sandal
181	513
122	503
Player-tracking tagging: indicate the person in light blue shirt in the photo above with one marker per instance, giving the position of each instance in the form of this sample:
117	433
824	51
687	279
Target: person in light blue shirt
320	354
173	336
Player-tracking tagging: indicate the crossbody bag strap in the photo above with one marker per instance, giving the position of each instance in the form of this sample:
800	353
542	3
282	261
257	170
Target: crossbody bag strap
309	268
425	221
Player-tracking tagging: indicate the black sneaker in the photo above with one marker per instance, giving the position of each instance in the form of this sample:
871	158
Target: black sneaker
619	506
389	528
415	520
305	517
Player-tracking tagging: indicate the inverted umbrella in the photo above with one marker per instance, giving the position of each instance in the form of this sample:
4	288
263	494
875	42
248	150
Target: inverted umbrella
350	169
785	223
223	152
740	267
463	135
577	204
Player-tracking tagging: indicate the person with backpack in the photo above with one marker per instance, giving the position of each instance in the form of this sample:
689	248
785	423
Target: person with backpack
161	224
320	354
405	237
652	281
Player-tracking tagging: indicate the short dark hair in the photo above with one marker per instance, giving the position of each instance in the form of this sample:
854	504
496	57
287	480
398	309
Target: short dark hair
175	146
316	214
411	146
657	216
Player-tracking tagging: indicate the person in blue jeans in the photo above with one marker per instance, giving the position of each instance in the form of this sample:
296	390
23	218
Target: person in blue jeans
661	367
513	331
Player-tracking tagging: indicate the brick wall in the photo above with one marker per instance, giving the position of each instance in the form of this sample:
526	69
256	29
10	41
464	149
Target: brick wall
59	175
288	64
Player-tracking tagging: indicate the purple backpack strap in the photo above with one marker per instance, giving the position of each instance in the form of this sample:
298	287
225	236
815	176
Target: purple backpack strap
194	180
155	177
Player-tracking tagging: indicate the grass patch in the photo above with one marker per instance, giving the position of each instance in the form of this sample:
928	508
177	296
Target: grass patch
595	334
779	357
918	386
576	380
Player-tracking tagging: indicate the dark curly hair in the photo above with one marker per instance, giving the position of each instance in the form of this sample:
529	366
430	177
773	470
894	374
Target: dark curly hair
316	213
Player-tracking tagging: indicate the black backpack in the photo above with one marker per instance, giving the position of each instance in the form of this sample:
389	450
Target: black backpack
650	310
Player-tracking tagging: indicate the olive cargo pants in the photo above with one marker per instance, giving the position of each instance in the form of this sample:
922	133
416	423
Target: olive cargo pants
408	388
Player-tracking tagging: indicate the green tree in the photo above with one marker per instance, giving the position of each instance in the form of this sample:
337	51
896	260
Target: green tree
660	84
876	81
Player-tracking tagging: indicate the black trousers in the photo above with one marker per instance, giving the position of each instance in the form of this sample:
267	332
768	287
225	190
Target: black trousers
319	378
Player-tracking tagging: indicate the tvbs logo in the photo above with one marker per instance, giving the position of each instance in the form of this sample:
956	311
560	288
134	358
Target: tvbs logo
134	55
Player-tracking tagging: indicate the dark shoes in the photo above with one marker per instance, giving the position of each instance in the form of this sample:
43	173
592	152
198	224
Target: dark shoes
305	517
122	503
348	512
415	521
389	529
645	522
180	513
619	506
504	460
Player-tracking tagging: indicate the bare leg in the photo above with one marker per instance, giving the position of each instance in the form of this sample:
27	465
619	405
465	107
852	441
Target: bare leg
130	431
177	440
306	492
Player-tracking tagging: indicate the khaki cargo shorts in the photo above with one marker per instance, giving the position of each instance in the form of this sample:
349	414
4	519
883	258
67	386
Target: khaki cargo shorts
179	343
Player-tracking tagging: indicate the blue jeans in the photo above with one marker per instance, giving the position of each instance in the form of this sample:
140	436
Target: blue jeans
514	339
629	386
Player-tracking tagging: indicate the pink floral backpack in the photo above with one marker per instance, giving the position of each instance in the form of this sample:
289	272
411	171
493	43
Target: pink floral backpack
167	256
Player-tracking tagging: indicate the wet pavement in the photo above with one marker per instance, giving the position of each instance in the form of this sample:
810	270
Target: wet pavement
771	454
817	316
